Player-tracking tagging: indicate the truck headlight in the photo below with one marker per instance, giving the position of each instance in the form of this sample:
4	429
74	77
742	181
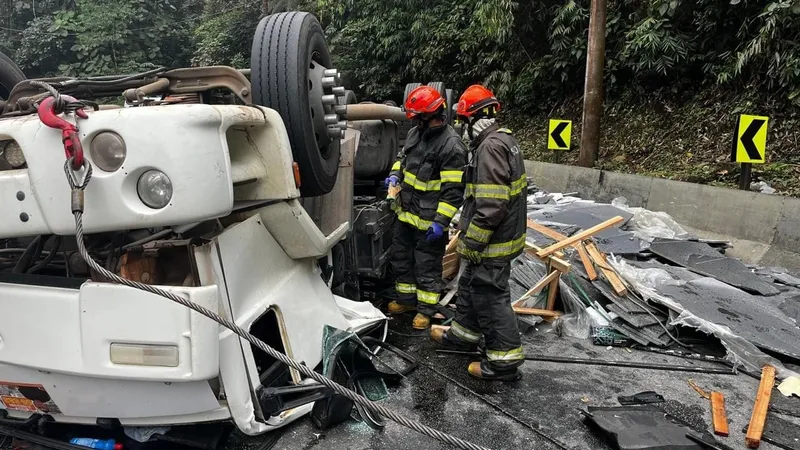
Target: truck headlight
154	189
13	155
108	151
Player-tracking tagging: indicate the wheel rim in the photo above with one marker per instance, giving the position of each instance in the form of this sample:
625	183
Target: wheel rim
325	94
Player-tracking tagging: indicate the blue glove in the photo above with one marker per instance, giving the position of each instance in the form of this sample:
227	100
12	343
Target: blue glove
392	180
435	231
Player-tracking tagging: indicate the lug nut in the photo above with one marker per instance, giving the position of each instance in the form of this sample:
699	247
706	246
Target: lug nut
330	73
339	90
341	111
335	132
342	125
331	119
328	100
328	82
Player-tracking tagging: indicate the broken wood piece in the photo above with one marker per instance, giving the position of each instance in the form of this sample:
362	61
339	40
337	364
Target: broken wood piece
581	236
551	292
718	414
545	281
699	390
759	416
536	312
587	262
549	232
451	246
608	271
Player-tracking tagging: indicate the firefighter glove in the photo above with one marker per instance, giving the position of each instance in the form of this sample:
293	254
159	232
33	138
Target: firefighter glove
472	255
391	181
435	231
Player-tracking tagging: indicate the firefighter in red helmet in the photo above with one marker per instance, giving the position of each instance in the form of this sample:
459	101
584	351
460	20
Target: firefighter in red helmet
493	229
429	170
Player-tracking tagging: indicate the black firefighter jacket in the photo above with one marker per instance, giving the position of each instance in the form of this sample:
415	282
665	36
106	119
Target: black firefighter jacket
431	168
495	210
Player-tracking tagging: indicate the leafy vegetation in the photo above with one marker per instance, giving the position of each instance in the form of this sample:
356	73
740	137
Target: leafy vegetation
692	53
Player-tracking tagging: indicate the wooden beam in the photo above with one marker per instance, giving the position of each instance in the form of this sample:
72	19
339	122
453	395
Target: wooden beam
583	235
759	416
551	292
546	280
549	232
718	414
608	271
537	312
533	249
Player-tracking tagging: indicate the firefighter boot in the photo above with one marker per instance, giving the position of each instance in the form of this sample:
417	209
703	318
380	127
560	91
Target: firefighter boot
440	336
421	322
399	308
482	371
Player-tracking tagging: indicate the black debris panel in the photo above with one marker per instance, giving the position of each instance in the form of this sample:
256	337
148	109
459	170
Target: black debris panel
748	316
780	433
703	259
641	427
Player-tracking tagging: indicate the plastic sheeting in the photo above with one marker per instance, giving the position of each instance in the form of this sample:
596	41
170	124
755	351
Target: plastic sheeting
647	225
740	351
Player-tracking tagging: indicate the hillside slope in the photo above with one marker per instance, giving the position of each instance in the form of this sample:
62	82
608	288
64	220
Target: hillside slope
687	139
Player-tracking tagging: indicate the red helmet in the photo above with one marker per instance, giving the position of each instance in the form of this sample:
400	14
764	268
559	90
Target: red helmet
474	99
423	100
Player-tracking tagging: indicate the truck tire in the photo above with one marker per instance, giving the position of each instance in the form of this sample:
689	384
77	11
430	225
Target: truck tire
287	56
10	75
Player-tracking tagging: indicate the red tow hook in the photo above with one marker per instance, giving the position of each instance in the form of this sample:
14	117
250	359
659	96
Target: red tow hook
69	132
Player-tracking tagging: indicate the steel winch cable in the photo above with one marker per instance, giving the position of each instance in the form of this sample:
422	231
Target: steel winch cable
77	202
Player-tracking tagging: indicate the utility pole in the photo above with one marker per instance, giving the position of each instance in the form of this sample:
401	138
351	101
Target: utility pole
593	88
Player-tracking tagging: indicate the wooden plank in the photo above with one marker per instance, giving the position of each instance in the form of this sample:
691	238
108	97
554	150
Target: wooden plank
546	280
533	249
587	262
608	271
559	264
583	235
536	312
551	293
759	416
718	414
553	234
451	246
450	258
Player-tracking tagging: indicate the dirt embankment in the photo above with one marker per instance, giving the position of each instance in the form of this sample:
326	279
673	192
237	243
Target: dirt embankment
687	139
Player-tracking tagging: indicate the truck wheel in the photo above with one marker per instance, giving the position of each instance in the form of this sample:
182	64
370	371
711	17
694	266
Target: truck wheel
451	100
291	72
10	75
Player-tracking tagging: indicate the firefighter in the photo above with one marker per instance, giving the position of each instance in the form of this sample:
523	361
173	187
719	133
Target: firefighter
429	171
493	227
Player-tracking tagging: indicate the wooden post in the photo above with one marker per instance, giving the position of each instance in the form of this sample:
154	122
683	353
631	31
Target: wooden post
593	87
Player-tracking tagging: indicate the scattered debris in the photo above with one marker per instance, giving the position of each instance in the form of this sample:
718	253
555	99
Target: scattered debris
762	187
781	433
718	414
790	387
642	398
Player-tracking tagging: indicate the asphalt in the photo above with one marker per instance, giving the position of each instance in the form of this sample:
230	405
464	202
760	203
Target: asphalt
541	411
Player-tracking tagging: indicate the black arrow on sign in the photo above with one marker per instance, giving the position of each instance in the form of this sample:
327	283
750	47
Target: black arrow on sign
747	138
556	134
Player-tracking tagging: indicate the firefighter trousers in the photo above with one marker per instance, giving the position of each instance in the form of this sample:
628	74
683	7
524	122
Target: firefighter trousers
417	265
484	308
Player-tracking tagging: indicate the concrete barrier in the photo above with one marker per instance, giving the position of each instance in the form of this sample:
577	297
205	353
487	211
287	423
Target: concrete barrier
764	229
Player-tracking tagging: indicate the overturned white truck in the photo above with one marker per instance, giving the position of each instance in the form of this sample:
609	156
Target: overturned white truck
237	189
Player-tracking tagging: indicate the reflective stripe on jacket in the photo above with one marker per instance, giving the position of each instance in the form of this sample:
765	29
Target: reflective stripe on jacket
493	218
431	169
